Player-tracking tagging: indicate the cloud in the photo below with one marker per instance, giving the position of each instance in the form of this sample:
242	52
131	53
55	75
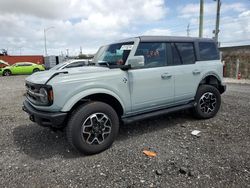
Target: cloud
157	31
193	9
245	14
76	23
234	21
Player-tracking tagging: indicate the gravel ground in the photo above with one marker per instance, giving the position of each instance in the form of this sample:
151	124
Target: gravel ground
33	156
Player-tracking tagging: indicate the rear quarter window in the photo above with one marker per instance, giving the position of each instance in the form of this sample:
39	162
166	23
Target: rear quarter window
208	51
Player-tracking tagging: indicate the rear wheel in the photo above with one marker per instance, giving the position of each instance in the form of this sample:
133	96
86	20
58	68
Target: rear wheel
208	101
92	127
6	73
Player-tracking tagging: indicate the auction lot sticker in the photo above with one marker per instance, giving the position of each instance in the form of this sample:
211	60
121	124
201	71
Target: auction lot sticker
127	47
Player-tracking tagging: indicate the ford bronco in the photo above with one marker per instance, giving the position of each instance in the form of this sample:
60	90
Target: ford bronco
132	79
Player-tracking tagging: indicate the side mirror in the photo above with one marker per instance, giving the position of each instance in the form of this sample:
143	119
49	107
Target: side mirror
136	62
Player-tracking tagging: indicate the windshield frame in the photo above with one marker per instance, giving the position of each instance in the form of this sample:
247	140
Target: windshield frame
103	49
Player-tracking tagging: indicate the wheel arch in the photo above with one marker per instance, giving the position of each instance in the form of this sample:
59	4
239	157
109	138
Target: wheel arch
212	79
6	70
102	96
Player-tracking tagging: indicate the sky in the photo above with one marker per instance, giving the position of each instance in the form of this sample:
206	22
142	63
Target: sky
71	24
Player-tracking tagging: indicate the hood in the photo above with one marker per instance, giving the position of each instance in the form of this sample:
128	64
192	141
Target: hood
43	76
4	62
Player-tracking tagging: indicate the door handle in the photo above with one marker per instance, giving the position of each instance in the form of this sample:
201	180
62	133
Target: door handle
195	72
166	76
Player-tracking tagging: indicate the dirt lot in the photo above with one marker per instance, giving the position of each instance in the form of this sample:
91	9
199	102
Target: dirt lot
33	156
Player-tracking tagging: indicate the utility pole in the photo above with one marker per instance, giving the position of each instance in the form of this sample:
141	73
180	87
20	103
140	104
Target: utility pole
20	49
80	50
188	30
217	25
67	52
45	42
237	68
201	18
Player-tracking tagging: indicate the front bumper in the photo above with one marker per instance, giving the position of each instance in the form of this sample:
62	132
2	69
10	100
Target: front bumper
47	119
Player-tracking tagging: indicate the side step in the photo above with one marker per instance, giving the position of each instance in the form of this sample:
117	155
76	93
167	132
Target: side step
127	120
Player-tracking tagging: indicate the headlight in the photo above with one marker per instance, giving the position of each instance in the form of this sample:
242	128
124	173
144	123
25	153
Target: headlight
40	94
46	95
43	95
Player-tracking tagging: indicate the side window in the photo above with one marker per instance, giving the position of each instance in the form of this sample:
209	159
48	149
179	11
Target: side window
27	64
76	64
154	54
208	51
186	52
176	60
19	65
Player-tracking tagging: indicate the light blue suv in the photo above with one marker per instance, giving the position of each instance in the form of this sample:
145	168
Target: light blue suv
132	79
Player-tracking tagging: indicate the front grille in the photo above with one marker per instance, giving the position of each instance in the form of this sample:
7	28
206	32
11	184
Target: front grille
32	93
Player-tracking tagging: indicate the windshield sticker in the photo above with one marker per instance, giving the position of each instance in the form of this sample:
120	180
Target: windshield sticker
126	47
119	52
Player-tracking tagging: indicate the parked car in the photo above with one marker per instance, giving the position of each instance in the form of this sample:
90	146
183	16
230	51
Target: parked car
2	65
71	64
22	68
133	79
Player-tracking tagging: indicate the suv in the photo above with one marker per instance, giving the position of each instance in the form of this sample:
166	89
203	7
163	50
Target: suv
132	79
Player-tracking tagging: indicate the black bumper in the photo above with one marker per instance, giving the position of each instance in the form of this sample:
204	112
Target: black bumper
222	88
47	119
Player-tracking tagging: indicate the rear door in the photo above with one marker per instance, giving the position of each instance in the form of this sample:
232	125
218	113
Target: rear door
28	68
188	72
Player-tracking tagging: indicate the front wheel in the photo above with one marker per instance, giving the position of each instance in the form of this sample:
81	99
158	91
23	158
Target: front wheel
92	127
208	102
6	73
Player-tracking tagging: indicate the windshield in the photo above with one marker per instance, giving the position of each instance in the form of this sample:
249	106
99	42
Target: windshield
114	54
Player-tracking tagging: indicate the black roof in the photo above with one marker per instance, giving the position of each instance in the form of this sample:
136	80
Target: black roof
172	38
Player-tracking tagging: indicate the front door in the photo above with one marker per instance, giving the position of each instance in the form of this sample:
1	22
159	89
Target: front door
151	86
17	69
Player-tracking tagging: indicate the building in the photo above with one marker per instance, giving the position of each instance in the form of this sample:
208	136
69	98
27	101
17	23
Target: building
38	59
236	61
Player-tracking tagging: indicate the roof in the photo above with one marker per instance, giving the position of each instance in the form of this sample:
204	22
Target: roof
167	39
172	38
24	62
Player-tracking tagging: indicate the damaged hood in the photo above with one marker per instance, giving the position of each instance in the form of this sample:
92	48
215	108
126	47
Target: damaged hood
43	76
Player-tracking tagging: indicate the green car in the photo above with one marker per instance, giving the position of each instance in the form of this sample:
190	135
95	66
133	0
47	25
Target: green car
2	65
22	68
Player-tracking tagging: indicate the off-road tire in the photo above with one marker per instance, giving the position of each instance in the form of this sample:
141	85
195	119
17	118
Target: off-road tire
75	127
209	94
